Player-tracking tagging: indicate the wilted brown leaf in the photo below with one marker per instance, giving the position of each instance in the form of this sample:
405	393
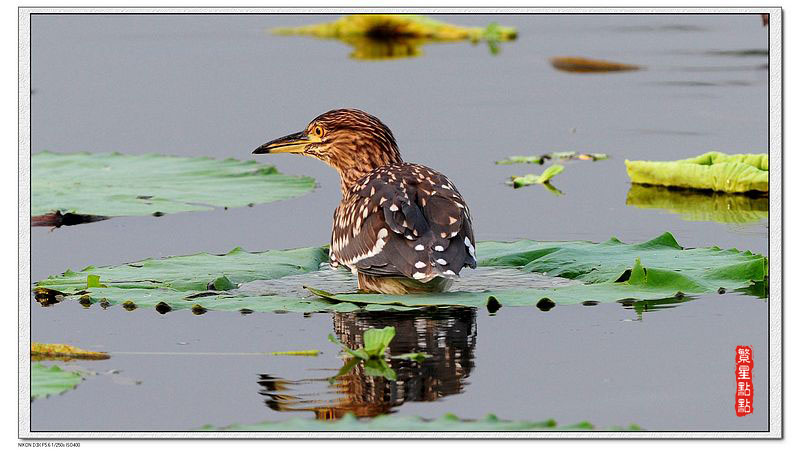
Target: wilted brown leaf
580	64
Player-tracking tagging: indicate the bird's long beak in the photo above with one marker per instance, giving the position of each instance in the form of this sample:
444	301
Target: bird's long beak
293	144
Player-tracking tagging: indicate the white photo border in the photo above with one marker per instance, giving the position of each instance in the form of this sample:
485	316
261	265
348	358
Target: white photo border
775	254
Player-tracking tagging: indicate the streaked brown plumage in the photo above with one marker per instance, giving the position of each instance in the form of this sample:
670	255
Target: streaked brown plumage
401	227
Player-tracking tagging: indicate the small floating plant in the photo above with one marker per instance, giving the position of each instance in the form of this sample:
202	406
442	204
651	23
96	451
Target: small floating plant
387	36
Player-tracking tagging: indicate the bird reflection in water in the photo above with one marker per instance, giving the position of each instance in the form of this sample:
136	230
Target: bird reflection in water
447	335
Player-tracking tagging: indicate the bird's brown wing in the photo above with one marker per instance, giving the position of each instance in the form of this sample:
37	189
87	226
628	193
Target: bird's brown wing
404	220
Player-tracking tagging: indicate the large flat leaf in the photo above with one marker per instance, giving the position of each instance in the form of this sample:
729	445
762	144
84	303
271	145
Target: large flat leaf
120	184
196	272
602	272
737	173
387	423
610	271
47	381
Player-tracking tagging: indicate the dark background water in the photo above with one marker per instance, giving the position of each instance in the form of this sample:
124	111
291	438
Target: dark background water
222	85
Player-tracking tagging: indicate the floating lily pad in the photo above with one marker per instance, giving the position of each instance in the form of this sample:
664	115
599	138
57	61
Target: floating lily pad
715	171
385	423
571	155
603	272
541	179
540	159
583	65
609	271
693	205
387	36
47	381
64	352
98	186
537	159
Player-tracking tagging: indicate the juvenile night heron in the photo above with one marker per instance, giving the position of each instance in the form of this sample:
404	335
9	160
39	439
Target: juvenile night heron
401	227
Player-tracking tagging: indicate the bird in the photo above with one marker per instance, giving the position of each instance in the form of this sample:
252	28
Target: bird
402	228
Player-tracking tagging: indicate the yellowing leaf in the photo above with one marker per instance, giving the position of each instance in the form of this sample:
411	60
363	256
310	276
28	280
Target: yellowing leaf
62	352
735	173
390	36
694	205
297	353
388	26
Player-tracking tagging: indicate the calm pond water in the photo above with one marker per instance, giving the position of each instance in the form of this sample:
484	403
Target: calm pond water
221	85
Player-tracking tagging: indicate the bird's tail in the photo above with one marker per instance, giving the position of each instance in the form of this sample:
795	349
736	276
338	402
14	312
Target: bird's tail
400	285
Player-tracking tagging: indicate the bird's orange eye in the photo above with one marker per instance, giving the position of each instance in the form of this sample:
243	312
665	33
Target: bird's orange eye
318	131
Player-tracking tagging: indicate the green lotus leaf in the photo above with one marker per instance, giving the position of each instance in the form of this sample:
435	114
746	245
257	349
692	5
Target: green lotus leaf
379	368
357	354
108	185
372	354
603	272
531	159
540	159
735	173
376	340
385	423
530	179
417	356
47	381
195	272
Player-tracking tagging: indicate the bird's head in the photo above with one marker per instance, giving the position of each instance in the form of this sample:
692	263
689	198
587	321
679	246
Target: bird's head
349	140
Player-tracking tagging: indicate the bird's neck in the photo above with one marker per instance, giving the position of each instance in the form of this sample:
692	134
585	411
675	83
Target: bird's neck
362	163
